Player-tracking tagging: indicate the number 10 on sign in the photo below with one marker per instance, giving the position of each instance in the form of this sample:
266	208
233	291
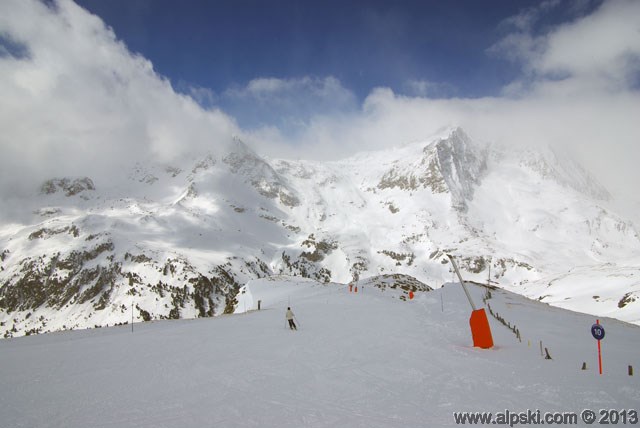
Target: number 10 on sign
597	331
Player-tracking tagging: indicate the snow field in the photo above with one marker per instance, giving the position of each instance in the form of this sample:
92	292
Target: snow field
359	360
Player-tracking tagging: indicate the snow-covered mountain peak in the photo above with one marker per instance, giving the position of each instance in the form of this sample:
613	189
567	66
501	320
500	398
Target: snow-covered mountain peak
179	240
451	164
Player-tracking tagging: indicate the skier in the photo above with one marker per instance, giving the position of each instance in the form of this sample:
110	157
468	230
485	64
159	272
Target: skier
290	317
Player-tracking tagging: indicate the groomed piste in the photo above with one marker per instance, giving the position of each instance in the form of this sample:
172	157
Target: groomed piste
367	359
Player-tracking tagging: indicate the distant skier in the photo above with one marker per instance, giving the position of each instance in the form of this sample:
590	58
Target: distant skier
290	317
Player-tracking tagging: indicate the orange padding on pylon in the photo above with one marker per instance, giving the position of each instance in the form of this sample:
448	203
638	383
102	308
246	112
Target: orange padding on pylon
480	329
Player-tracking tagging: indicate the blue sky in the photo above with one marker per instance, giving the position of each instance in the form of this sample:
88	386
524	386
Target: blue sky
435	48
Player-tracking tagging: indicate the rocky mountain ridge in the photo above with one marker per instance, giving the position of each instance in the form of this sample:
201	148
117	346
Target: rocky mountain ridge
178	241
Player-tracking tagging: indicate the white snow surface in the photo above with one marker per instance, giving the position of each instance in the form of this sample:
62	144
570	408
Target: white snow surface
366	359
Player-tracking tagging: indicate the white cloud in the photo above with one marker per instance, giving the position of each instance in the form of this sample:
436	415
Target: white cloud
603	45
427	88
206	97
600	51
278	91
265	86
287	106
291	97
527	18
79	103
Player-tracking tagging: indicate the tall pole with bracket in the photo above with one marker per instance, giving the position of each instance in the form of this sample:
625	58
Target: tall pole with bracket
479	323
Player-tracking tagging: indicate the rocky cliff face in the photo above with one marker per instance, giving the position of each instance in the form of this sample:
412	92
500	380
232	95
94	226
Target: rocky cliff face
453	165
68	186
461	165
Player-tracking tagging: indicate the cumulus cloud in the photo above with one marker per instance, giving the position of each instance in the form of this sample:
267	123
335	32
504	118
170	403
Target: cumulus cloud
603	46
597	51
287	104
77	102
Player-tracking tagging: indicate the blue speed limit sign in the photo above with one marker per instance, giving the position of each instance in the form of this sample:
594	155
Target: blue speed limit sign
597	331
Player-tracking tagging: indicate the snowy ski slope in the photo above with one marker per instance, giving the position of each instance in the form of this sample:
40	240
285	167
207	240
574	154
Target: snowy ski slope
369	359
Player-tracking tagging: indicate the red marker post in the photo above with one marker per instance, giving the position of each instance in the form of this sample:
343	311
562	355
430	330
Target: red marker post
597	331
